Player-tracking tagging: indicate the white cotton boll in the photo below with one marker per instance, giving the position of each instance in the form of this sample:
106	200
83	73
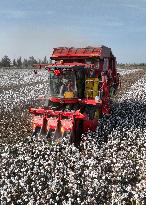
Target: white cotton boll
79	201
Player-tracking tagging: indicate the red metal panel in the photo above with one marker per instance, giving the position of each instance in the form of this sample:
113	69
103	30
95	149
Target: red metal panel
82	52
71	51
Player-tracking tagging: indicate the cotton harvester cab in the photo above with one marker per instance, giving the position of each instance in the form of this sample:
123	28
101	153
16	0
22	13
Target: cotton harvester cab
81	80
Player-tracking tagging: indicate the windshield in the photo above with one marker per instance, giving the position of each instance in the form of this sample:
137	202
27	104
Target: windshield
62	83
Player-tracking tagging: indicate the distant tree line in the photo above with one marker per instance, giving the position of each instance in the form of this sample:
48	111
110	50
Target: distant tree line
131	64
21	63
26	63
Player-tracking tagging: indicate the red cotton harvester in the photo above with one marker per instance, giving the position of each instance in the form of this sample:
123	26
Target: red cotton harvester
81	80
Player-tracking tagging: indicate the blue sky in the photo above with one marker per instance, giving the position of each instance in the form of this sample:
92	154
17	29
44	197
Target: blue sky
34	27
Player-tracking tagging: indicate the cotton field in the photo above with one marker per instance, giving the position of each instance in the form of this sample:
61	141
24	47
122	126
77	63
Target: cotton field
12	77
18	87
127	71
107	169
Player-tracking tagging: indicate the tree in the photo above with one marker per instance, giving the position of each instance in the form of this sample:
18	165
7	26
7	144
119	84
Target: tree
19	62
32	61
45	61
14	63
39	61
5	62
25	62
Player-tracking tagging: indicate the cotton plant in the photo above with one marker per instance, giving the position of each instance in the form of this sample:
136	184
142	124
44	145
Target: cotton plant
109	168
